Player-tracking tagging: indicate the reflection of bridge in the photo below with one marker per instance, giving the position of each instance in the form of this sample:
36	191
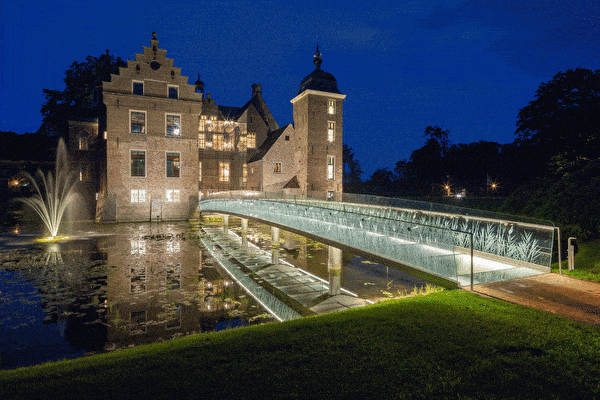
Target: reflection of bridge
449	246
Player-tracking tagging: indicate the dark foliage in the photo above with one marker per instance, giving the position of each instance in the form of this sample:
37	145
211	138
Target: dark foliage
76	101
352	172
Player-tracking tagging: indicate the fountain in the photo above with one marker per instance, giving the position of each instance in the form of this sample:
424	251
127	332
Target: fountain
54	192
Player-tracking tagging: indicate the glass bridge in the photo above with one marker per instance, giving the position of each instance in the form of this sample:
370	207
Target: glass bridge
443	244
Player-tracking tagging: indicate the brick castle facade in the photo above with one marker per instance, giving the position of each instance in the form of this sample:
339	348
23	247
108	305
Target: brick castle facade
162	144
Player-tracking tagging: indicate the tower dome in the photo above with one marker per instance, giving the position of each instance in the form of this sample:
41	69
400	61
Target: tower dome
319	79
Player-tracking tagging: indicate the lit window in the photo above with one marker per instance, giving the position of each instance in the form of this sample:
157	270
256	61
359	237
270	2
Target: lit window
138	88
218	142
331	107
138	196
173	92
173	196
173	165
138	163
223	172
137	121
330	195
244	173
243	143
81	173
201	140
330	131
83	143
277	167
173	125
251	141
200	171
330	167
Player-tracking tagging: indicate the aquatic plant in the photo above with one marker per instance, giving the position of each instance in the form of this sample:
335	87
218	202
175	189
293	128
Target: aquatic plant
54	191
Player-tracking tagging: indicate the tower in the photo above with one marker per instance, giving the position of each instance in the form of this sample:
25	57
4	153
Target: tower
318	121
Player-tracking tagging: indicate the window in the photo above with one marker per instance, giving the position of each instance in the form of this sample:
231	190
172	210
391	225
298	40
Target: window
331	107
173	165
201	140
243	143
137	121
173	92
138	163
138	88
287	138
330	131
173	125
330	167
200	171
138	196
218	142
277	167
251	141
82	143
244	173
250	119
330	195
223	172
173	196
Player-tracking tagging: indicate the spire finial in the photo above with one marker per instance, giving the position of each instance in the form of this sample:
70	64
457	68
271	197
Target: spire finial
317	59
154	36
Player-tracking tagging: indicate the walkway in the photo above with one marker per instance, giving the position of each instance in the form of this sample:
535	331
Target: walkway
573	298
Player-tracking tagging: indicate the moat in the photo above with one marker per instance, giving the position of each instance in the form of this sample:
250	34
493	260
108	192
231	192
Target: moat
114	286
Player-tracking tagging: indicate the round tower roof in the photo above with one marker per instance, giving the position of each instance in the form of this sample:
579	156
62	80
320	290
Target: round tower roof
319	79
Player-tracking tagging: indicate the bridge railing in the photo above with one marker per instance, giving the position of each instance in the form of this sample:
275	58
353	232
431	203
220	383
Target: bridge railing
496	242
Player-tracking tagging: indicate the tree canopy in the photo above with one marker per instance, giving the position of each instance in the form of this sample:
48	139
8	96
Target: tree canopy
76	100
559	129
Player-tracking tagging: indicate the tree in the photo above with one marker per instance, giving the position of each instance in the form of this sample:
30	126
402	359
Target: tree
560	128
352	171
76	100
382	182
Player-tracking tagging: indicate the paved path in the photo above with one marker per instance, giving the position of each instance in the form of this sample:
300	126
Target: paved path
559	294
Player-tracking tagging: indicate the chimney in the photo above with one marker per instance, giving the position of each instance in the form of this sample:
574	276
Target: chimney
256	90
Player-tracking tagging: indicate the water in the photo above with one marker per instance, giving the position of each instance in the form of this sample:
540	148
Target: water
121	285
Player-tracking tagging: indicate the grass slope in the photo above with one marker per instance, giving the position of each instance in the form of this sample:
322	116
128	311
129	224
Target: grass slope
452	344
587	262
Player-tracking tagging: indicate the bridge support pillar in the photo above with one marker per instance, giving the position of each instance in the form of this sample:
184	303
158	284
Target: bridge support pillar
274	245
334	266
225	224
244	232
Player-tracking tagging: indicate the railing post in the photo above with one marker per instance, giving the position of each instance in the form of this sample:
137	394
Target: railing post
471	235
559	252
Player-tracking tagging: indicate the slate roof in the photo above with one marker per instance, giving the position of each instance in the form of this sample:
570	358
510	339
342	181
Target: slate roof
267	144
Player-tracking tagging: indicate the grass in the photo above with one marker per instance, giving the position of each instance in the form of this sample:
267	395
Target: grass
587	262
450	344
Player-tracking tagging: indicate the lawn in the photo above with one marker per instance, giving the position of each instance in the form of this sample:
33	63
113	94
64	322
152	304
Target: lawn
451	344
587	262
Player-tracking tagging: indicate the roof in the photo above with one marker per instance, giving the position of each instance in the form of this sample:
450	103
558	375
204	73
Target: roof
319	80
259	104
232	113
293	183
267	144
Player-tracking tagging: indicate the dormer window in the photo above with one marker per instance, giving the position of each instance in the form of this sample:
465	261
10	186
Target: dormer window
173	92
331	107
138	88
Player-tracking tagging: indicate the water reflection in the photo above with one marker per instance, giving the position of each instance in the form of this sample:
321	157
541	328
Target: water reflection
136	284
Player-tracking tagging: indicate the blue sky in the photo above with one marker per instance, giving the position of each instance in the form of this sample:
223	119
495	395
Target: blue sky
468	66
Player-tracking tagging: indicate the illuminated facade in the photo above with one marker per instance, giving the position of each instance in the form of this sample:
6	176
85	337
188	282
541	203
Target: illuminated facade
162	144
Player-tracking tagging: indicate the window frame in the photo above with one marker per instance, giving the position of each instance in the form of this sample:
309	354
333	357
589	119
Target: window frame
143	132
176	87
167	153
330	168
277	168
137	193
133	83
131	163
167	126
224	177
331	106
331	131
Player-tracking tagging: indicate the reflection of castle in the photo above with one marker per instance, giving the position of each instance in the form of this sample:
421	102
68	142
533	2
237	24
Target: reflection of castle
161	143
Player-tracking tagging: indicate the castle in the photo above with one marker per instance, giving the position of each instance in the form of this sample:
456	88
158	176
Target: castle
161	144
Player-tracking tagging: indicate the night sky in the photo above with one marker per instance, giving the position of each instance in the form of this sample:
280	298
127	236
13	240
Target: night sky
467	66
